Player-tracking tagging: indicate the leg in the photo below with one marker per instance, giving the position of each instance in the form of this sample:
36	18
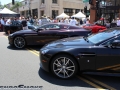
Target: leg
8	32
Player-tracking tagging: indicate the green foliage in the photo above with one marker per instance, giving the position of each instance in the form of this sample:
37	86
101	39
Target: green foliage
16	5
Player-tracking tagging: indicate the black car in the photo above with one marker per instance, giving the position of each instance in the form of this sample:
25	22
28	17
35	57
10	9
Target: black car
45	34
17	26
97	52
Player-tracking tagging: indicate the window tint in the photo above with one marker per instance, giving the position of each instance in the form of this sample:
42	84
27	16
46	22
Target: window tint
111	40
51	26
96	38
65	27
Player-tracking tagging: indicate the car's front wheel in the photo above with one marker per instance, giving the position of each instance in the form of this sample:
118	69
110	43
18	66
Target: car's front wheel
64	66
19	42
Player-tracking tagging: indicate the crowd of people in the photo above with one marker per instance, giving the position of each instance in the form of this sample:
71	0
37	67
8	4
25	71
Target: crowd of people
44	20
41	21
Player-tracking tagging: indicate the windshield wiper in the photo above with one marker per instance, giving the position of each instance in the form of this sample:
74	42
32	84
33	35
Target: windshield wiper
86	38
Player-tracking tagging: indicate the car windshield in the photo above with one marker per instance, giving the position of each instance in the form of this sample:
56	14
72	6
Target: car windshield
96	38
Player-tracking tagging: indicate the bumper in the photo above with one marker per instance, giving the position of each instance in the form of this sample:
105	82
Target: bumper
10	40
44	62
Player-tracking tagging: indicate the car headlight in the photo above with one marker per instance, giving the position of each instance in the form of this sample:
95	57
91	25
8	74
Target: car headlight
44	51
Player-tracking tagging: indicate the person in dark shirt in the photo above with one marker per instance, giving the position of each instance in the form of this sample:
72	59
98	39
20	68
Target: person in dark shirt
24	23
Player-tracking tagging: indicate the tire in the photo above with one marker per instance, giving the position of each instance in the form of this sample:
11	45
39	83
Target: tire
59	67
19	42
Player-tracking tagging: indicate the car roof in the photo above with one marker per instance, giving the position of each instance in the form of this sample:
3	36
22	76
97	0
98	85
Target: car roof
62	24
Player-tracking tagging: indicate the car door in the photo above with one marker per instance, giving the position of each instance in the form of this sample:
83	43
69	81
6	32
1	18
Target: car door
108	58
48	34
87	58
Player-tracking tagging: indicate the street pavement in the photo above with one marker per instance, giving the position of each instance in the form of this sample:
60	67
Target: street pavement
21	67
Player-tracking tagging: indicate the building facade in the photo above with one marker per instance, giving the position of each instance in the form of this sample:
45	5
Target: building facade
51	8
107	9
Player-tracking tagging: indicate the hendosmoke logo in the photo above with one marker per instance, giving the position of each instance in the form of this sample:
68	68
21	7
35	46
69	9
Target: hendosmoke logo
21	87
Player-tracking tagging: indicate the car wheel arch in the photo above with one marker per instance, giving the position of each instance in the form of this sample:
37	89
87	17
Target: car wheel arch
63	53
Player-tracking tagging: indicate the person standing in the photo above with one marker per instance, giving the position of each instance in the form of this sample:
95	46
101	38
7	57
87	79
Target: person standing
118	22
87	22
2	23
8	22
73	21
24	23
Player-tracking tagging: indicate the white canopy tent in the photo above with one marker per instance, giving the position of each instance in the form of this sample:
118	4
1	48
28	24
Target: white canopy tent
8	13
79	15
63	15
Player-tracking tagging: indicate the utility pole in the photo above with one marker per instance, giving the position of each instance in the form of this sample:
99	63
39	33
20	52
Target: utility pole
29	9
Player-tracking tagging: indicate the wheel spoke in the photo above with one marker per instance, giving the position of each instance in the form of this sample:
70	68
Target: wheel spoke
70	70
67	62
64	61
59	71
70	67
66	73
57	64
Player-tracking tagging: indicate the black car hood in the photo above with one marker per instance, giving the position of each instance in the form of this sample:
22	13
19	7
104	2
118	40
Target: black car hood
74	41
24	31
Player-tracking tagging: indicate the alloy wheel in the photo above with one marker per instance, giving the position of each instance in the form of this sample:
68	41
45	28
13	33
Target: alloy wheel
63	67
19	42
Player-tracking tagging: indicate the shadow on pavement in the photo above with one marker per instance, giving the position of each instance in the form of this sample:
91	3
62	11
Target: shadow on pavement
57	81
14	48
35	47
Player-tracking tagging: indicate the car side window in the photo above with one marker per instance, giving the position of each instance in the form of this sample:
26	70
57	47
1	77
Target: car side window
111	40
65	27
50	26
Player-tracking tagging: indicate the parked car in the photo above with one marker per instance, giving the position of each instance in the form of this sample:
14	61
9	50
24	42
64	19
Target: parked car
94	27
97	52
31	26
13	27
17	27
45	34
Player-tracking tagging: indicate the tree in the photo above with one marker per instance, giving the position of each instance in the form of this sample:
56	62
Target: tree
16	6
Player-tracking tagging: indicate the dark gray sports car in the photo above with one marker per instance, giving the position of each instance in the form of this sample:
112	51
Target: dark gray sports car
98	52
45	34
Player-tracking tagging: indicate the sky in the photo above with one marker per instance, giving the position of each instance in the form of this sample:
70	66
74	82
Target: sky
7	1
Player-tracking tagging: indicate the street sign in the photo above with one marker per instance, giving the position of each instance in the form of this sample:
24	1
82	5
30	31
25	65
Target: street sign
84	1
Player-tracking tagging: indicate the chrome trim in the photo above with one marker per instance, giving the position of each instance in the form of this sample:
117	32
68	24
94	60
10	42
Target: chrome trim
30	34
87	54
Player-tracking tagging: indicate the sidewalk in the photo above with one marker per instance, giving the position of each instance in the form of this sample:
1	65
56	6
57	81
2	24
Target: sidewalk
2	34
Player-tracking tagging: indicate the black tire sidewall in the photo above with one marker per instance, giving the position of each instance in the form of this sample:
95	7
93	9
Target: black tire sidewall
67	56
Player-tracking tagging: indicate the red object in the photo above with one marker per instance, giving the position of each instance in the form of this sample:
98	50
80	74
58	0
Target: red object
95	28
102	19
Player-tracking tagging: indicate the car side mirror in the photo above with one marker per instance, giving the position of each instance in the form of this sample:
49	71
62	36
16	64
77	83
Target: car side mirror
115	43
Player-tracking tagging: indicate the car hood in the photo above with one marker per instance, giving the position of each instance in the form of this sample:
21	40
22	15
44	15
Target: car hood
24	31
73	41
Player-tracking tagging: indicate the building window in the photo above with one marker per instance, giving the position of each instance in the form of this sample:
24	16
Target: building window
42	13
68	11
23	13
35	12
43	1
54	1
77	10
54	13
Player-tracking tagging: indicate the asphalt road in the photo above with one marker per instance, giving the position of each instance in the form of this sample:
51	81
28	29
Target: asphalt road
22	67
